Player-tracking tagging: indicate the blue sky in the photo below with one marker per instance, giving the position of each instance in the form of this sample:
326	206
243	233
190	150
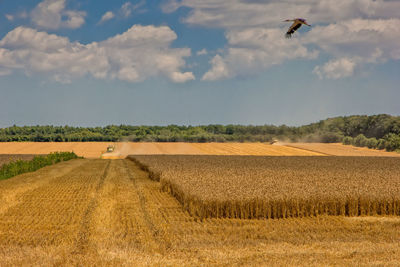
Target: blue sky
190	62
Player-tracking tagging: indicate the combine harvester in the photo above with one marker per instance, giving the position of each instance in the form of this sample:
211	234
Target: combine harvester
111	153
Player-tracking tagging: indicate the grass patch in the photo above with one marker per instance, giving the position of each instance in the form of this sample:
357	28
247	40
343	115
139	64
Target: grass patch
22	166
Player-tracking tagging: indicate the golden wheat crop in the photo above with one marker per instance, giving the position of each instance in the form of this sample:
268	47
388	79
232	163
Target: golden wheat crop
259	149
279	187
336	149
82	149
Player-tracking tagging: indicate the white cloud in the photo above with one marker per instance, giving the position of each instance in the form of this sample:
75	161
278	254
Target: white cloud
51	14
179	77
360	31
9	17
202	52
254	49
107	16
128	8
355	43
218	71
135	55
246	13
336	69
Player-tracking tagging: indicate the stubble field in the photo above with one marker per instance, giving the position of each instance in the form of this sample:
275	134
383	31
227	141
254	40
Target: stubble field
108	212
123	149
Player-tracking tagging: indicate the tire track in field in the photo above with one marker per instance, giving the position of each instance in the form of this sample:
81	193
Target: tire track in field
82	244
157	233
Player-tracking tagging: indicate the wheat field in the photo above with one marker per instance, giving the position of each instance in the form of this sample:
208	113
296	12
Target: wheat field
123	149
82	149
92	212
279	187
337	149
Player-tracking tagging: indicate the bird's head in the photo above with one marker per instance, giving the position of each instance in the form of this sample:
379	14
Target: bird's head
286	20
303	21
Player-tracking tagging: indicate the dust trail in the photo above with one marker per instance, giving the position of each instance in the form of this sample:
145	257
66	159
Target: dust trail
121	150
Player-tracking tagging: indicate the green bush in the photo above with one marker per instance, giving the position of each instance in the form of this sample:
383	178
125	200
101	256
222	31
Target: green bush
381	144
348	140
392	142
372	143
360	140
22	166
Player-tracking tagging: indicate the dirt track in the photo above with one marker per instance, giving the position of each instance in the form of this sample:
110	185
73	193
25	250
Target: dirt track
103	212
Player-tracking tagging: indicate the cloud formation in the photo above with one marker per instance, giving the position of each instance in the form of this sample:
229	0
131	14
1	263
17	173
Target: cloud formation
128	8
107	16
336	69
52	14
135	55
351	32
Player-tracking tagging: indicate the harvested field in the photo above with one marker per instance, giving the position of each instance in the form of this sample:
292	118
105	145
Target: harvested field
261	149
256	149
338	149
82	149
123	149
109	213
279	187
7	158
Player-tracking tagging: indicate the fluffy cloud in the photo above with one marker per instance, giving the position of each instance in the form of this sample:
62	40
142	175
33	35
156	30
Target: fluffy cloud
254	49
336	69
52	14
270	13
351	32
354	43
135	55
202	52
107	16
218	71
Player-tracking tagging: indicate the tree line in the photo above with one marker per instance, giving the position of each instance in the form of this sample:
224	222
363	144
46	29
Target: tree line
385	129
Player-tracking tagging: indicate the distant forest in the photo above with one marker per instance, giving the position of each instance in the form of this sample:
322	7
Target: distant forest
377	131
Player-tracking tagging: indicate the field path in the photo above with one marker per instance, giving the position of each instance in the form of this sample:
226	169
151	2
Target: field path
93	212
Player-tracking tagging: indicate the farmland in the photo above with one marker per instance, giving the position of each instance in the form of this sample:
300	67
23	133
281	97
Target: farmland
123	149
108	212
87	149
279	187
336	149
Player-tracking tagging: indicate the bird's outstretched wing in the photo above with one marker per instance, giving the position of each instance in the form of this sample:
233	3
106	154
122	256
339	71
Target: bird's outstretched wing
293	28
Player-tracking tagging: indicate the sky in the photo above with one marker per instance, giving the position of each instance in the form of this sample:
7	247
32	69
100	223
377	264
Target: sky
196	62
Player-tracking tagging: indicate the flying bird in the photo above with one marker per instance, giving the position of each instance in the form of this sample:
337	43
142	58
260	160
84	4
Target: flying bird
295	26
